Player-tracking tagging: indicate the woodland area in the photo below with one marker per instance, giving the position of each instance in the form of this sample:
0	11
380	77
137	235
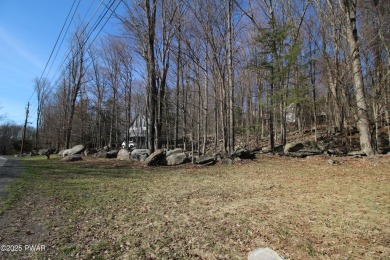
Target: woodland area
216	74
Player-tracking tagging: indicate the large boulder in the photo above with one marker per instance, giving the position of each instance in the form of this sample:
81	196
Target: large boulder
100	154
67	152
71	158
60	153
78	149
90	152
112	154
356	153
243	154
227	161
279	149
139	154
205	160
264	254
266	149
155	158
123	155
293	147
177	158
174	151
302	149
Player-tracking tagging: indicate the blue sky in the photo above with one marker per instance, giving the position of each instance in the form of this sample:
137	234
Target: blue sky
28	32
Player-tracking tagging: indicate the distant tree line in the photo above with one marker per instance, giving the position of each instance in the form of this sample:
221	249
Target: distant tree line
214	74
11	138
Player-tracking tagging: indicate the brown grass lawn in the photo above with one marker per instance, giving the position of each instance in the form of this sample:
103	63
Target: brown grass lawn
105	209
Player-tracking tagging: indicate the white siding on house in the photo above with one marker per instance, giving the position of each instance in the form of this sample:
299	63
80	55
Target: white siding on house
138	127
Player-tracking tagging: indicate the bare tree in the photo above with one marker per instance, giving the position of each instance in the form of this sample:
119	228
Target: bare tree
41	88
349	9
75	74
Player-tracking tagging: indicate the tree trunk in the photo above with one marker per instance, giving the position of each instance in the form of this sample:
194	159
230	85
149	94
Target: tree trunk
178	72
349	8
205	105
150	9
231	78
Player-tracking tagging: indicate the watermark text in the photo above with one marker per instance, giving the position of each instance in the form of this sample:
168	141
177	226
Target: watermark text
23	248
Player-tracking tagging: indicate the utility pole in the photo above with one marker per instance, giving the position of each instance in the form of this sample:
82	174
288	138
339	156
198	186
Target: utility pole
24	129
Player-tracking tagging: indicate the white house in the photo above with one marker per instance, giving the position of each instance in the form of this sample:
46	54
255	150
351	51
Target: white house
138	130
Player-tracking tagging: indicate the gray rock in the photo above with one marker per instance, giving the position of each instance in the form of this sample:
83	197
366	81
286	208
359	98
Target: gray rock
155	158
266	149
333	162
264	254
321	146
219	156
302	149
356	153
257	150
293	147
78	149
337	151
143	157
177	158
67	152
138	153
60	153
384	150
90	152
112	154
304	153
205	160
100	154
243	154
227	161
279	149
72	158
237	159
174	151
123	155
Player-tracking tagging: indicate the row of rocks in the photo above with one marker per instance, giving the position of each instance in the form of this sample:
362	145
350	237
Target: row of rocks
160	157
76	153
178	156
308	148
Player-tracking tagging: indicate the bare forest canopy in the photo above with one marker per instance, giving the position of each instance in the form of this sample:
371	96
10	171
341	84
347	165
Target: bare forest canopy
215	74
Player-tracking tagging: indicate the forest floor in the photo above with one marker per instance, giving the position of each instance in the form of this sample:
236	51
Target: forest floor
304	208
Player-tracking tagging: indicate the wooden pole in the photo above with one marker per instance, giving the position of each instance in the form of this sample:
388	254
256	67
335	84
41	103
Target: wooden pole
24	129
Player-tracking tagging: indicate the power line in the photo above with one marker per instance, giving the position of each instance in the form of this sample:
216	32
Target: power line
66	57
101	17
55	45
90	33
96	25
64	35
63	38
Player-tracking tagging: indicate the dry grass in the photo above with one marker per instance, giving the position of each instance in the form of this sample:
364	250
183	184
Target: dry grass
302	208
